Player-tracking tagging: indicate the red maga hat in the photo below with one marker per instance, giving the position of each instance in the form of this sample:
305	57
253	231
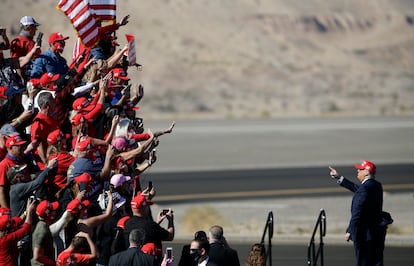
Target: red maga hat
82	104
56	136
57	36
46	207
367	165
14	141
140	201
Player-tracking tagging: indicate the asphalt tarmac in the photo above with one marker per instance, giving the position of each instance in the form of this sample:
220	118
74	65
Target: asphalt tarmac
296	255
187	157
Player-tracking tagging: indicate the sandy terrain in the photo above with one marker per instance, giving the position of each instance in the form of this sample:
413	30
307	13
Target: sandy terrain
262	58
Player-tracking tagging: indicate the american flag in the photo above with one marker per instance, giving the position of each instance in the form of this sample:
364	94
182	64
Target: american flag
79	13
103	9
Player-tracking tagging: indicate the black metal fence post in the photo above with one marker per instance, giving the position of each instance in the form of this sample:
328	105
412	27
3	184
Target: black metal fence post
268	229
314	255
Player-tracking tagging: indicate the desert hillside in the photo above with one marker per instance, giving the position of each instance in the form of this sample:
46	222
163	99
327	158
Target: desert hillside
260	58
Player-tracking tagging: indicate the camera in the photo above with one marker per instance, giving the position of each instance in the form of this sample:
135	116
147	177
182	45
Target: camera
165	211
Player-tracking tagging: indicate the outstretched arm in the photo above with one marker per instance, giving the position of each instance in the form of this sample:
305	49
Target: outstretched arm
342	180
132	153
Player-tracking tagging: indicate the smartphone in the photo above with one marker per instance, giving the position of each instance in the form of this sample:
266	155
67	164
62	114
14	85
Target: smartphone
39	38
82	186
32	198
165	211
21	168
149	185
169	252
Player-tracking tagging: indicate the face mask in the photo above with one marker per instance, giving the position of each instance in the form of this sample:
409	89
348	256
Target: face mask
58	47
195	255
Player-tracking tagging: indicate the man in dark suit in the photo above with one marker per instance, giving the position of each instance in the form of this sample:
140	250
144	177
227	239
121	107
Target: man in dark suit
199	250
133	255
365	229
186	259
220	252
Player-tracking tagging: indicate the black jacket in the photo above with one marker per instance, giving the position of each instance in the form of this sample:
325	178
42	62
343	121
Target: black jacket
223	256
131	257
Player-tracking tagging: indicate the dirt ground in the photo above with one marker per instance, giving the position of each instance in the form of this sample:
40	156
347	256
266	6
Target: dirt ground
259	59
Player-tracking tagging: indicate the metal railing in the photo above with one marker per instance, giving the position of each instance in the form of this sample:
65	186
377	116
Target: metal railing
315	254
269	230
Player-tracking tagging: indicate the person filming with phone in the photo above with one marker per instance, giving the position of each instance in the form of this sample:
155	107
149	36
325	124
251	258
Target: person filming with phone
154	233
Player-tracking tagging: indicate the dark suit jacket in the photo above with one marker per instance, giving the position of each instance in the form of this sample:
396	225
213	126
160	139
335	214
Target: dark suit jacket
131	257
185	259
223	256
211	263
366	211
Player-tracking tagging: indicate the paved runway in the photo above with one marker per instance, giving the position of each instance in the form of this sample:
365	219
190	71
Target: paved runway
279	143
275	147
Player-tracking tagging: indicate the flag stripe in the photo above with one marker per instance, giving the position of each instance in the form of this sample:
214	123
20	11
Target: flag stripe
78	12
103	9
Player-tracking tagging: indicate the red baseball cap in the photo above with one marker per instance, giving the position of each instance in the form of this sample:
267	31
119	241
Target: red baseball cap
56	136
48	80
67	258
14	141
367	165
57	36
77	119
85	145
140	201
82	104
85	177
149	248
119	73
74	207
122	221
46	207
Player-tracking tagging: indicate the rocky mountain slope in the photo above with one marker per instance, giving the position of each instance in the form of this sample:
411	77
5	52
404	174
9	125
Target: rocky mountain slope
261	58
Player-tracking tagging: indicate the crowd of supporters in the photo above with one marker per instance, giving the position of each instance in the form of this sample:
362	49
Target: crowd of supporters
72	150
